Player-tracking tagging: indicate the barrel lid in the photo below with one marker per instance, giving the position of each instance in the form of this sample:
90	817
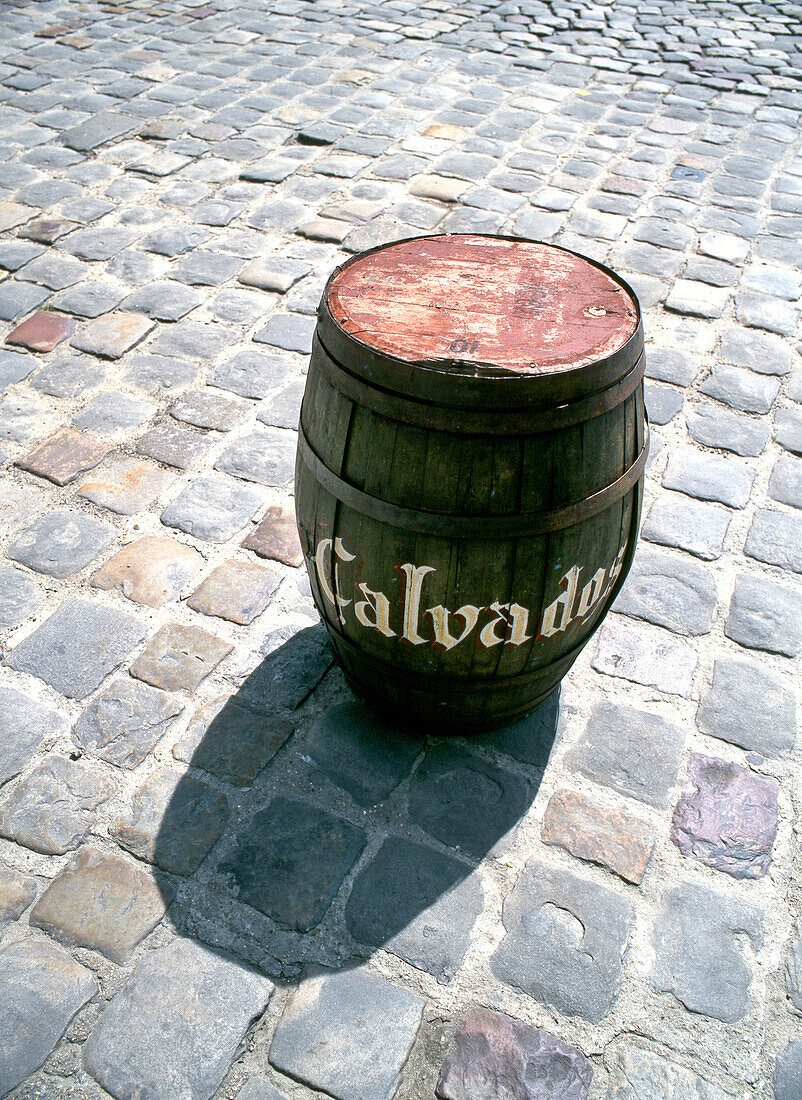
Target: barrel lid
443	315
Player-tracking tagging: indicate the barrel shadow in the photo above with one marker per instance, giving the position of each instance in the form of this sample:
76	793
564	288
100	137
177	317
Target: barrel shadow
307	831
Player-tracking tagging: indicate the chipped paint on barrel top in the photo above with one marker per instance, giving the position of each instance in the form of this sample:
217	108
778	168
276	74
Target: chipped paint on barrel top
520	305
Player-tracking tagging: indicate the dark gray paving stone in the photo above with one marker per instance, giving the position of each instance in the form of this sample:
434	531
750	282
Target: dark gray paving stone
252	373
756	350
43	989
201	268
99	244
207	409
636	753
193	340
765	312
708	477
102	901
530	740
765	615
291	331
239	307
231	741
77	647
417	903
729	820
663	233
124	723
776	538
283	410
15	254
175	240
687	524
136	268
173	821
713	426
492	1055
266	456
465	802
669	591
213	508
785	483
19	596
112	414
25	724
750	706
159	1032
14	367
348	1033
174	445
88	299
564	942
54	272
159	373
295	661
788	1071
52	808
164	300
662	403
290	862
741	389
68	377
698	954
98	130
61	543
17	298
360	753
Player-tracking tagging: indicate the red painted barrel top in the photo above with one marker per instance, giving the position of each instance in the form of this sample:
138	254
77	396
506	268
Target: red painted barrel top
520	305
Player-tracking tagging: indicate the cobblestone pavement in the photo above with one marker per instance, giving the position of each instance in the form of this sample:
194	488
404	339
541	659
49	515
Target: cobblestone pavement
218	876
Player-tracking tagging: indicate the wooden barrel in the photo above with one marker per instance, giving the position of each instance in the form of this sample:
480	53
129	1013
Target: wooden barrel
469	473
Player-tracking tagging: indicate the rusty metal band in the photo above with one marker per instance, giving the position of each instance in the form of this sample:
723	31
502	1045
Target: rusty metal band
448	418
471	527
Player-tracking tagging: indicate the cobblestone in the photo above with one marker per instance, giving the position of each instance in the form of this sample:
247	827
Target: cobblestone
347	1033
788	1071
52	808
213	508
65	455
77	647
237	591
126	485
159	1033
20	597
776	538
709	477
101	901
43	331
124	723
750	706
700	529
232	742
490	1053
698	954
765	615
729	822
616	839
639	1074
25	724
646	757
276	537
669	592
61	543
544	918
178	657
17	891
43	990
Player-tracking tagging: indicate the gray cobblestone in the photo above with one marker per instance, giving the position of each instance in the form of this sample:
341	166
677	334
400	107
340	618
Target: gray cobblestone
698	956
776	538
670	592
200	1022
126	721
540	952
61	543
19	596
347	1033
675	520
42	991
25	724
749	706
709	477
213	508
713	426
765	615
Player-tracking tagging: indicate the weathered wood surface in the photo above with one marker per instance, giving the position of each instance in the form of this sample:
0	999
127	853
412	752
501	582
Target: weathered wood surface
517	304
